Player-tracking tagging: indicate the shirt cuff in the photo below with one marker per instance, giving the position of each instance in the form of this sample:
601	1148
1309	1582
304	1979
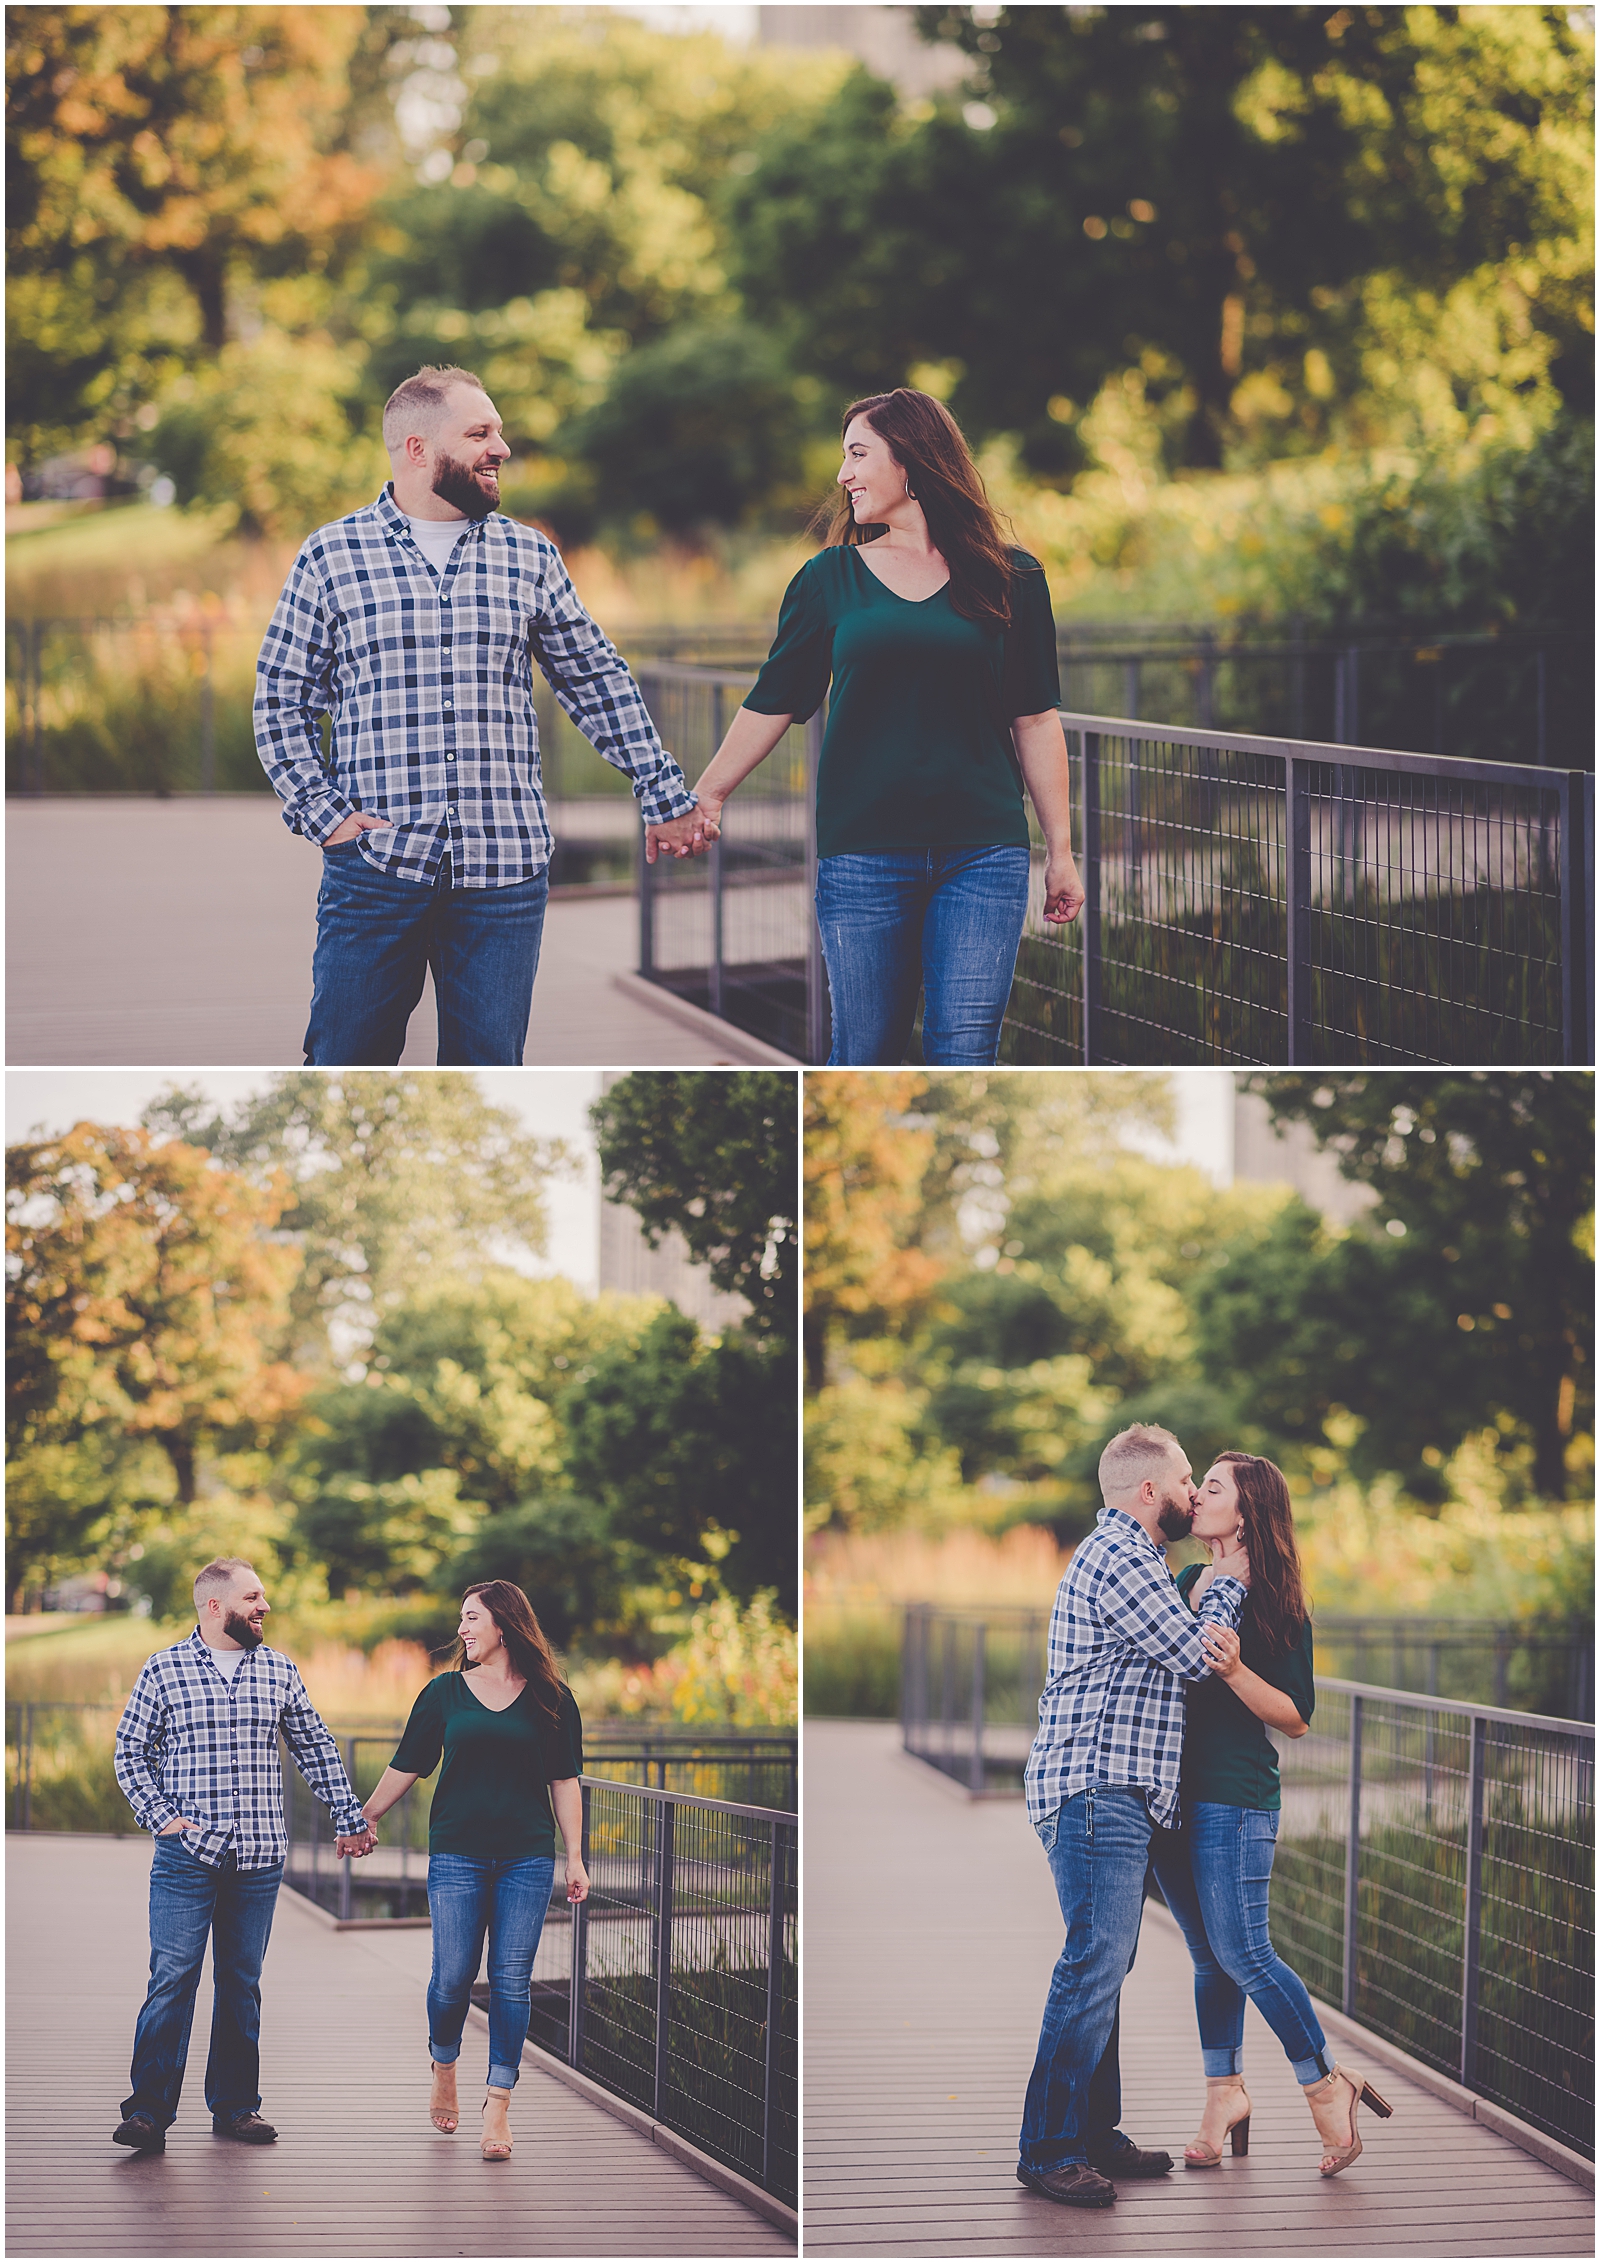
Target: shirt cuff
660	803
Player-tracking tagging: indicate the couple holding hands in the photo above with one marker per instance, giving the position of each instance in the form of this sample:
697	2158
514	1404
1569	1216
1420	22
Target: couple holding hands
197	1757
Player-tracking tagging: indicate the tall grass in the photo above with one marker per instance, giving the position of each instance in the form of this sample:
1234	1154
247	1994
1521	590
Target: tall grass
857	1586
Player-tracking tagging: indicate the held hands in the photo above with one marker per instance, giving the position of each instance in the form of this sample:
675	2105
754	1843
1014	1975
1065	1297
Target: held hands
359	821
1221	1646
691	835
577	1880
1063	889
356	1843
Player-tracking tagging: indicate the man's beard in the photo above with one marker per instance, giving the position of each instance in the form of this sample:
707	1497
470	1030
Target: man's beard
1176	1517
243	1633
456	482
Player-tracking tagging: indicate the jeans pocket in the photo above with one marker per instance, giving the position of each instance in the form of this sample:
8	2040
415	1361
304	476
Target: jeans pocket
1049	1828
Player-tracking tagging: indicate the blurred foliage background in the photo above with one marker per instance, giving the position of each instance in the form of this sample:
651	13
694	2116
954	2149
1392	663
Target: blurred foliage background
1253	312
288	1331
997	1281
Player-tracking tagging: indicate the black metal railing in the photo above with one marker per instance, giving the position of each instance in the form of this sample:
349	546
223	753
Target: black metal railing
1250	900
970	1680
676	1984
1435	1866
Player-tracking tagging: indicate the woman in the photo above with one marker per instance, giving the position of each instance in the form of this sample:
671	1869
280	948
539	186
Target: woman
507	1729
941	647
1215	1872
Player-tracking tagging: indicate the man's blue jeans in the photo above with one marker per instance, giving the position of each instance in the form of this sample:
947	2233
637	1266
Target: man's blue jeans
468	1896
377	938
947	921
1099	1847
1215	1876
188	1901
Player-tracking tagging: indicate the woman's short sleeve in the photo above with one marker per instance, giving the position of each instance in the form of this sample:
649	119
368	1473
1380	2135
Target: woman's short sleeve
1031	675
1297	1678
563	1741
794	680
417	1753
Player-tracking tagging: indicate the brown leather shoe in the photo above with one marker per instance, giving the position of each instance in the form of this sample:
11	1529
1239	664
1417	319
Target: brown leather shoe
1075	2186
1128	2160
249	2129
140	2132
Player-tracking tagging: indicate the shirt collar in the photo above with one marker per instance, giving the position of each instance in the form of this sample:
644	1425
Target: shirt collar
1119	1524
399	522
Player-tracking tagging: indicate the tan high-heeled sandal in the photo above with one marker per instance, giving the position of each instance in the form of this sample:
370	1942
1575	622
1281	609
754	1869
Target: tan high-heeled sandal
496	2148
1324	2094
1203	2155
445	2119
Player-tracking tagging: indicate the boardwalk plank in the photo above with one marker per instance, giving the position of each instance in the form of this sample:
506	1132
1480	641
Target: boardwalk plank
931	1929
357	2170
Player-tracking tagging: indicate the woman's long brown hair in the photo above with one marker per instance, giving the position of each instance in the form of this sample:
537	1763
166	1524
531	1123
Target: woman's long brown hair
1277	1599
927	443
526	1646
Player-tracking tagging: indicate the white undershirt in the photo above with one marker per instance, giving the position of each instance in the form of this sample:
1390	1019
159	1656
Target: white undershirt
227	1662
436	538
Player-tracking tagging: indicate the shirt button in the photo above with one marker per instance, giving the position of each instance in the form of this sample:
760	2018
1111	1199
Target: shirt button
449	758
449	703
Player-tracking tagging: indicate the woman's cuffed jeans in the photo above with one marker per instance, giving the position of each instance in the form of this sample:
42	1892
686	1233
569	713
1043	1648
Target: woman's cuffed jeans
377	937
945	921
506	1898
189	1904
1215	1876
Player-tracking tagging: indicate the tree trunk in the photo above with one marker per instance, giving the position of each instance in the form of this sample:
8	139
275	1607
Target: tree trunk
202	271
180	1452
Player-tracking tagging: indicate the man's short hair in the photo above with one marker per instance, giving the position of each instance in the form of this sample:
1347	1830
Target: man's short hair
217	1577
1143	1450
418	403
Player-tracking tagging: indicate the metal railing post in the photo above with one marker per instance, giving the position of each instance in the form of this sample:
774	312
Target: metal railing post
345	1865
1352	1862
1577	917
27	1769
817	1017
580	1955
1090	915
647	871
716	871
663	1947
1473	1911
775	1914
208	717
1297	907
975	1770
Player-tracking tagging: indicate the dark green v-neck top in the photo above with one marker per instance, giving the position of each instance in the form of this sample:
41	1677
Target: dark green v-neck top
493	1794
1227	1755
918	752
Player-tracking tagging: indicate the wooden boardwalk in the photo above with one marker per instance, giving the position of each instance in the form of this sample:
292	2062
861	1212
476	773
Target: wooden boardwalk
356	2171
931	1928
155	933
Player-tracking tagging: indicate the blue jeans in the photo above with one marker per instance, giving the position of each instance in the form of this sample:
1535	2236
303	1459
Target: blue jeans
470	1895
1099	1847
947	921
377	938
188	1901
1215	1875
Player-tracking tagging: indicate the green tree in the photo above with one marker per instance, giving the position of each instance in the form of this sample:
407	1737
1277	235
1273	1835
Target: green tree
1292	223
389	1172
145	1292
1465	1296
716	1157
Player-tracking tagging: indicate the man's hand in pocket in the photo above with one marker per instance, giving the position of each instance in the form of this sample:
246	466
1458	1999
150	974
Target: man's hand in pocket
359	821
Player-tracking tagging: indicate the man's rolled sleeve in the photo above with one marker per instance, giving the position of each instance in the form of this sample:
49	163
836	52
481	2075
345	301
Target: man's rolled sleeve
317	1757
594	686
294	688
139	1733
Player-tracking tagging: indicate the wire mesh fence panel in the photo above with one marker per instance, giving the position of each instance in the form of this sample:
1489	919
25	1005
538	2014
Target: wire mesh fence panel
731	931
755	1771
688	1998
1434	1877
970	1692
1529	1666
60	1773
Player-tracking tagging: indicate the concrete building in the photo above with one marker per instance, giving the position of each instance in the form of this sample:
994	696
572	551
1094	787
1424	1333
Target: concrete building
630	1266
1291	1157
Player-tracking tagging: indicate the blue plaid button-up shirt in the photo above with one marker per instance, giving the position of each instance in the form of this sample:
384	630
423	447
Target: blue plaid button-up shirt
429	681
1122	1644
193	1743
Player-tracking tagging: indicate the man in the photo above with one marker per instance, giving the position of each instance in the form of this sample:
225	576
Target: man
1102	1774
415	624
197	1756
